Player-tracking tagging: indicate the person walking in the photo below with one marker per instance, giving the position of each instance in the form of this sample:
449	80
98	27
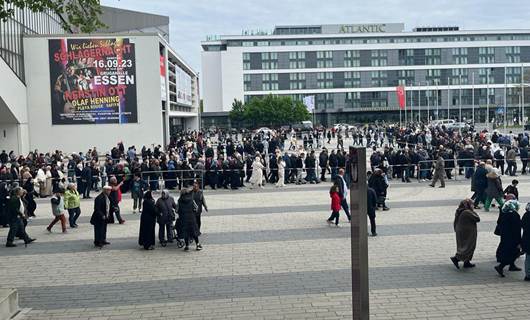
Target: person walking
371	208
257	173
58	210
378	183
190	229
72	203
465	227
166	208
335	204
343	192
509	229
494	190
115	199
100	217
198	203
439	172
15	213
525	241
479	183
148	218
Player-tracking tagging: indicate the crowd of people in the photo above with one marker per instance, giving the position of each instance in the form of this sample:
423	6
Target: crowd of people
237	160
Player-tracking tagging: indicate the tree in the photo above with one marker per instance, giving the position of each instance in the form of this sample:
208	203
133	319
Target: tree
237	114
82	15
269	110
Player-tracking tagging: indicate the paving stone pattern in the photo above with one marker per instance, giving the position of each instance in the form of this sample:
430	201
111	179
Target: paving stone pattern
268	254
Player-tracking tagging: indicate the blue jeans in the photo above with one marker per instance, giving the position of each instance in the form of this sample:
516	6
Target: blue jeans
334	171
73	215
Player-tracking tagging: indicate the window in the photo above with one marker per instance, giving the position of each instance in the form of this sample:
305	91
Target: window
269	82
324	100
297	60
297	81
246	61
353	100
459	55
325	80
352	58
405	77
513	54
269	60
379	58
246	82
459	76
379	78
485	76
434	76
406	57
352	79
433	56
513	75
486	55
324	59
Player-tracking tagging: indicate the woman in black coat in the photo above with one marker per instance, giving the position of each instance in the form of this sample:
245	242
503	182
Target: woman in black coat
148	222
29	197
509	228
186	214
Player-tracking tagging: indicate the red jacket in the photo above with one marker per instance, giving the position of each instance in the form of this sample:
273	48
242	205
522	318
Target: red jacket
335	201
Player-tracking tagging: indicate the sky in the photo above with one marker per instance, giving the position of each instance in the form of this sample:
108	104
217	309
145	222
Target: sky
192	20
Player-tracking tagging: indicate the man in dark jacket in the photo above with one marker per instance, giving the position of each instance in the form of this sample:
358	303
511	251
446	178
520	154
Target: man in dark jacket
86	178
15	213
479	183
380	186
100	217
198	203
167	208
343	192
371	207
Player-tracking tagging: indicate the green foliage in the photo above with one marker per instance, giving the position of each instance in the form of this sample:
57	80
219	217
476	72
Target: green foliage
270	110
82	15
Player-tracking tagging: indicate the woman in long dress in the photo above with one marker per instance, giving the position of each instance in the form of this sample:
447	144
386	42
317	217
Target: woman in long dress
257	173
148	222
187	216
509	227
465	226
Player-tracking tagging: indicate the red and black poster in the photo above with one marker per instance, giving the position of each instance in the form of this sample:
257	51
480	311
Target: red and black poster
93	81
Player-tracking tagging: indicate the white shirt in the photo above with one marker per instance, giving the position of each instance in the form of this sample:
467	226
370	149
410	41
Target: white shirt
345	186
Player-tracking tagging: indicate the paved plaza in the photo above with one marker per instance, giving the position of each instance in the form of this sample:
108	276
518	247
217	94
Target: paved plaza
268	254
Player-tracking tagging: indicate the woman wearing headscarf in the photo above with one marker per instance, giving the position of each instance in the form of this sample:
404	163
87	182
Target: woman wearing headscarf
525	241
465	226
148	222
509	228
190	229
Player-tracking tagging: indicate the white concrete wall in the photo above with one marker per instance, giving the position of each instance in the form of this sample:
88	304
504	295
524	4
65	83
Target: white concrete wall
232	77
74	138
13	112
211	81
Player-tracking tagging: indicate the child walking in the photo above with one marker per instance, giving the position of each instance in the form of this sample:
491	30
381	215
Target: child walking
58	210
335	204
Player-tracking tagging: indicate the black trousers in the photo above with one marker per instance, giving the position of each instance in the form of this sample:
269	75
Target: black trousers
334	216
372	223
100	233
198	219
165	229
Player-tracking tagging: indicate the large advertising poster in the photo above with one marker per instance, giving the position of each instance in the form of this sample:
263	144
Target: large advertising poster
183	87
92	81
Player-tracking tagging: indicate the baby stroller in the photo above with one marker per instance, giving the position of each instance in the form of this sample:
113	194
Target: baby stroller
179	233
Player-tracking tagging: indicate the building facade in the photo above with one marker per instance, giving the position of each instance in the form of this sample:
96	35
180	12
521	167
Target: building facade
353	71
69	91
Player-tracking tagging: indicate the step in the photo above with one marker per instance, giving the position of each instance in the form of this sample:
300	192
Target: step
8	303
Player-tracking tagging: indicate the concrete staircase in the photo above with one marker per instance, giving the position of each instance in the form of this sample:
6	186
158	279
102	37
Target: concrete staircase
8	303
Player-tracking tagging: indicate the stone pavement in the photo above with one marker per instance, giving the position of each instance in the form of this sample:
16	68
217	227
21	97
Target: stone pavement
268	254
